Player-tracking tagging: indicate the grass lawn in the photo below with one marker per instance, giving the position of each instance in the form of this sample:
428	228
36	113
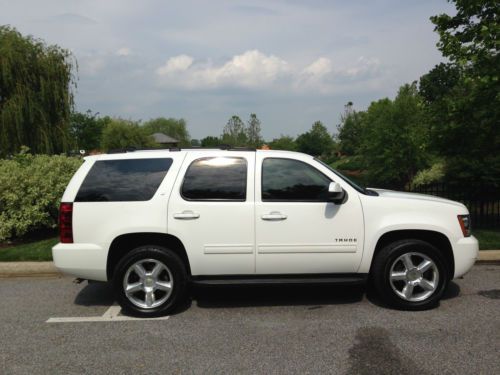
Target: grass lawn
488	239
41	250
33	251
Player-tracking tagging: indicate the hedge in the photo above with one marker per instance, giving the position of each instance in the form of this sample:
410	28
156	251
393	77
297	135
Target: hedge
31	187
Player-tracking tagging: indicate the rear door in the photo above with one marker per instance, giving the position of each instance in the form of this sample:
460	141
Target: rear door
211	210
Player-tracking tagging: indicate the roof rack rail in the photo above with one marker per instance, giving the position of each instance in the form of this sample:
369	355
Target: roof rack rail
220	147
121	150
236	148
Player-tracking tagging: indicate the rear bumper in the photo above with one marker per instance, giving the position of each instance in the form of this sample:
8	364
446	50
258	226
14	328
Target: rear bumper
87	261
466	251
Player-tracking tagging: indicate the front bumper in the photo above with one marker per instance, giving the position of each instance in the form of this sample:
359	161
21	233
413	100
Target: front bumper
87	261
466	251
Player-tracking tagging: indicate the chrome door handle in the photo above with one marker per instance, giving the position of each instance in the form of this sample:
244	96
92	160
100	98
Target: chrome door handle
274	216
186	215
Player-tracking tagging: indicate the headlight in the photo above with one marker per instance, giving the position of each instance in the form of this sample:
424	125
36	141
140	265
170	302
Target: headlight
464	221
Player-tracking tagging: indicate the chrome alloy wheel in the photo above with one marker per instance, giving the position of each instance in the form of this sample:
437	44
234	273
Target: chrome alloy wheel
414	277
148	283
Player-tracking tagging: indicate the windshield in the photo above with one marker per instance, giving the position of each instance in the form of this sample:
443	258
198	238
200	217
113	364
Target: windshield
346	179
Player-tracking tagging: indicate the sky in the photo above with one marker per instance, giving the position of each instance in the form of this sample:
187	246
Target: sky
291	62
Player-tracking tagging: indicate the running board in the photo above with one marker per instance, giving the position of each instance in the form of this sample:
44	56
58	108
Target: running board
329	279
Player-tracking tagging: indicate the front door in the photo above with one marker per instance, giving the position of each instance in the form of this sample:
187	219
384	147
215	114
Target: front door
297	230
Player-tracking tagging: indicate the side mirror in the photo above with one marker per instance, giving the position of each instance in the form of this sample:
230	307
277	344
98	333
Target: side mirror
335	193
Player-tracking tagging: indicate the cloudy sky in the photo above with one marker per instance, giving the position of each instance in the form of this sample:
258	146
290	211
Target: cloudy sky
292	62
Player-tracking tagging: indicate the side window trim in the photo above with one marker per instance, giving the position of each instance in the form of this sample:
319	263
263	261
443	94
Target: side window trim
215	199
264	200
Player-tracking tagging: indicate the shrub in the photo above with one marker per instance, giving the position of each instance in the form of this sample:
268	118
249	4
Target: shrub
31	187
430	175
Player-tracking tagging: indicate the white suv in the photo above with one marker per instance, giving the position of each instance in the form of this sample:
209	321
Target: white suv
154	222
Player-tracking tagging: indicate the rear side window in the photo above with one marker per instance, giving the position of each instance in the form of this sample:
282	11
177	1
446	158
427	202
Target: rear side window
123	180
220	178
292	180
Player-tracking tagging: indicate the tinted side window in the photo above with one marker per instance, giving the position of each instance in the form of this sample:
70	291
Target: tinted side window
292	180
220	178
123	180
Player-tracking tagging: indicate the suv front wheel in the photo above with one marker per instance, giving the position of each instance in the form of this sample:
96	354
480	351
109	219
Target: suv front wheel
150	281
410	275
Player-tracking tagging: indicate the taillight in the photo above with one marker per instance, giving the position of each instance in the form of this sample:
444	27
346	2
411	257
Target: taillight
66	222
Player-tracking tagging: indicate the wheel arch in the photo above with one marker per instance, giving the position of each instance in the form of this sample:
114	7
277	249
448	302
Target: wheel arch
437	239
125	243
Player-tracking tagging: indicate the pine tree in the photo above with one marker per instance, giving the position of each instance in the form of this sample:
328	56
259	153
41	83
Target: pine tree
234	133
253	132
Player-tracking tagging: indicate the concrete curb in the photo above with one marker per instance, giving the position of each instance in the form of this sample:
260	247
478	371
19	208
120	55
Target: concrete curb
489	256
47	269
28	269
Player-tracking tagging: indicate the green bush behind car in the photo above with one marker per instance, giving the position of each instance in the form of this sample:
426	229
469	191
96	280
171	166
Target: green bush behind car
31	187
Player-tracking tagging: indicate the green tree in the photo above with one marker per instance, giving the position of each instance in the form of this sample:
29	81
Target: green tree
439	83
470	37
86	130
253	132
234	133
316	141
394	144
211	141
350	130
175	128
195	143
120	134
465	116
36	97
284	142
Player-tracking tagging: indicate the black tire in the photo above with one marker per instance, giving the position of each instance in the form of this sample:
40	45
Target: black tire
174	265
381	269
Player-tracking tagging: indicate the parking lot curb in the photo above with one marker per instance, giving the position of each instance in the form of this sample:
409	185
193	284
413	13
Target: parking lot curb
28	269
47	269
489	256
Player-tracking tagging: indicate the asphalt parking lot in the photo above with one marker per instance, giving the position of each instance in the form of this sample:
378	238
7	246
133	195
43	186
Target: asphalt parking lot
250	330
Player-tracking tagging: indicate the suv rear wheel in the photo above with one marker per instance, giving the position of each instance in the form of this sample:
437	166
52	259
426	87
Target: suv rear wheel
150	281
410	275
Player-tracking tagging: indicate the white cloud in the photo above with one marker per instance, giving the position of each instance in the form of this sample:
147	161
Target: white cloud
320	67
124	51
256	70
174	65
251	69
316	76
363	66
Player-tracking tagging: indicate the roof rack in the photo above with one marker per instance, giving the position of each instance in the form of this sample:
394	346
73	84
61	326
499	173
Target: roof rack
220	147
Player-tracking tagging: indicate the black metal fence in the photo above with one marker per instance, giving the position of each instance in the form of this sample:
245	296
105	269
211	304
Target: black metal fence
483	202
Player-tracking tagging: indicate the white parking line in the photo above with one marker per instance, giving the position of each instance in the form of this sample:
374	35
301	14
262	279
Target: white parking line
111	315
112	312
